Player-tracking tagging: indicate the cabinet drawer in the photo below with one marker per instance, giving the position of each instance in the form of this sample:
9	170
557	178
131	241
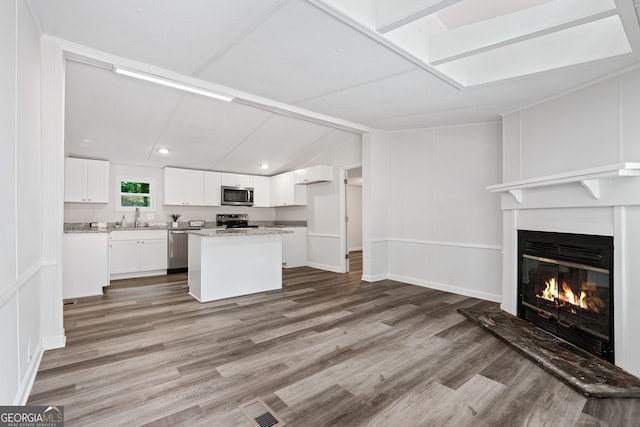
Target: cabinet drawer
138	234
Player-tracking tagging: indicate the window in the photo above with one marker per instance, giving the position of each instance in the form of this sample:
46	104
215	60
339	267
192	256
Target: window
135	192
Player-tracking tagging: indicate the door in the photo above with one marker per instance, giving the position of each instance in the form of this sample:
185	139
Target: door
124	256
194	189
174	186
353	218
74	180
261	192
212	188
153	254
97	181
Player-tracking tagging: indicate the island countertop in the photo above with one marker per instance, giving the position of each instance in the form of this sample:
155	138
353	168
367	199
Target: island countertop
234	232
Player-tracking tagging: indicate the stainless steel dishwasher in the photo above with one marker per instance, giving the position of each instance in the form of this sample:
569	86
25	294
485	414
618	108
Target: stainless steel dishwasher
178	251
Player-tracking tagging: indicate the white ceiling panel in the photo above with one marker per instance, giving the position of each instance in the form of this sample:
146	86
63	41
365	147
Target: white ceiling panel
201	132
177	35
273	143
111	116
407	93
476	114
301	57
302	52
316	153
515	93
123	120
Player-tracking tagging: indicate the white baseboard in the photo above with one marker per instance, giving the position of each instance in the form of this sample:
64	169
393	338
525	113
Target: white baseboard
374	278
447	288
332	268
137	274
56	341
30	377
359	248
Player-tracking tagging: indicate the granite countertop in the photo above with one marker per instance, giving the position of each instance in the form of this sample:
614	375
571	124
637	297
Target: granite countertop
234	232
85	227
279	223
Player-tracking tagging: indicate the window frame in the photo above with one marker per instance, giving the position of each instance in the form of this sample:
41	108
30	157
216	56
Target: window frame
142	179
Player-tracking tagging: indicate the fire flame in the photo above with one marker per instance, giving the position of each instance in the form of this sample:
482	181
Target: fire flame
587	298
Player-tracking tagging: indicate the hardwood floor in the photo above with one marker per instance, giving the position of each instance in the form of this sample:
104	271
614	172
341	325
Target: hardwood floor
326	350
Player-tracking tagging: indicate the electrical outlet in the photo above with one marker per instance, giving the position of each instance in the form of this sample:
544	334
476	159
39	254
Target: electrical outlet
29	355
151	216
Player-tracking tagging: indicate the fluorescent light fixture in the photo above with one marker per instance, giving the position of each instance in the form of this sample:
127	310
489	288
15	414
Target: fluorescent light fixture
171	83
264	166
163	151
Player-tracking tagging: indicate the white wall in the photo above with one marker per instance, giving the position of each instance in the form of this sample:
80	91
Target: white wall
591	127
438	227
23	274
354	212
106	212
444	229
324	220
375	206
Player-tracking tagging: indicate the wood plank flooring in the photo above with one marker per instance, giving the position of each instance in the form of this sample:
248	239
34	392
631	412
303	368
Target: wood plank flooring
326	350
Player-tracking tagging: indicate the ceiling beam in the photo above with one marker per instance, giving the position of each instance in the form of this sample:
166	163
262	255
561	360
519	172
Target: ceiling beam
401	13
384	41
629	18
515	28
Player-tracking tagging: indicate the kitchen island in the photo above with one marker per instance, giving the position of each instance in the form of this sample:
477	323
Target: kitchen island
234	262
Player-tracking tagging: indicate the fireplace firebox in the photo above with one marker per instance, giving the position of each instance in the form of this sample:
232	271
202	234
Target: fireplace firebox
565	286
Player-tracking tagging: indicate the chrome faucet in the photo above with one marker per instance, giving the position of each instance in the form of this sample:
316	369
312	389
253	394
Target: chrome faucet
136	221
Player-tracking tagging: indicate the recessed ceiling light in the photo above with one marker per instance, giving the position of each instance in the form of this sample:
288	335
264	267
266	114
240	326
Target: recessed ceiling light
163	151
264	166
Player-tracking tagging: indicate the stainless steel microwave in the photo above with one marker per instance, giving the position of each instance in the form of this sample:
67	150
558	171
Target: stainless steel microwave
237	196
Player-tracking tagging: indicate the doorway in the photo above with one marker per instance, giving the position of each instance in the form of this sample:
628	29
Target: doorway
353	219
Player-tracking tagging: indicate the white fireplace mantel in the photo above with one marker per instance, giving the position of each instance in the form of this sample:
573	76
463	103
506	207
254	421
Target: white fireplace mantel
589	178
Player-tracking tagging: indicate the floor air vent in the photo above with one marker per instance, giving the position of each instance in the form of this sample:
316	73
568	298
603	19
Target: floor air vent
260	415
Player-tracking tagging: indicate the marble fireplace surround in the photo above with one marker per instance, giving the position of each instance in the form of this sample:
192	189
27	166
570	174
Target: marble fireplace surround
599	201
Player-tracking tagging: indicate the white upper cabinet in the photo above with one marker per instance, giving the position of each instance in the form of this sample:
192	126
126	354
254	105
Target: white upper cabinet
314	174
183	187
194	191
262	192
236	180
202	188
86	181
212	196
284	191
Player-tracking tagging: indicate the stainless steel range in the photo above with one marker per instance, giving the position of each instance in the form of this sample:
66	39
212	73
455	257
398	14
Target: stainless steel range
233	221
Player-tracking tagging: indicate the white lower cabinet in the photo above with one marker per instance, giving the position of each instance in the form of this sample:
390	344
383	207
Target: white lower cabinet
85	264
124	256
137	253
294	247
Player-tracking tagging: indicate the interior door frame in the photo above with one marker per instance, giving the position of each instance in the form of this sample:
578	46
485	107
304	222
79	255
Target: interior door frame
344	241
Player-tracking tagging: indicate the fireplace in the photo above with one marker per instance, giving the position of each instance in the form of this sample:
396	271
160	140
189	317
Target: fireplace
565	286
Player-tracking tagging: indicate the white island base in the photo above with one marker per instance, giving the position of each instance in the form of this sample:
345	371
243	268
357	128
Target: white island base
224	266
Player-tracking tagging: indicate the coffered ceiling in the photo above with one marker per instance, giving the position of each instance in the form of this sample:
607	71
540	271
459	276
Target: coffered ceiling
308	75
